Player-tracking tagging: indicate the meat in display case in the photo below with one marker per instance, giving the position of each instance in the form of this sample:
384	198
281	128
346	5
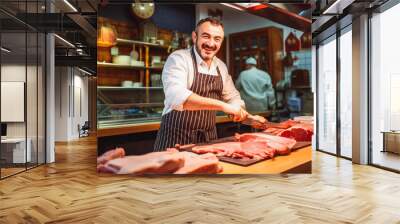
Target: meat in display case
128	105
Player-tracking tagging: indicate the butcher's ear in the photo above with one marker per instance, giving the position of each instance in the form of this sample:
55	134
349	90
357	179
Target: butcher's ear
194	36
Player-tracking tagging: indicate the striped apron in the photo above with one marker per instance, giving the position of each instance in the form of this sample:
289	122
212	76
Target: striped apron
186	127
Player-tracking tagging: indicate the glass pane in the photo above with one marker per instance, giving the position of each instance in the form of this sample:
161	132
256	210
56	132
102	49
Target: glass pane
327	96
385	85
346	94
13	85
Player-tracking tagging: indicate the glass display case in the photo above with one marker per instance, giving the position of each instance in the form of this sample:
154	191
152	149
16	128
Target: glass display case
127	105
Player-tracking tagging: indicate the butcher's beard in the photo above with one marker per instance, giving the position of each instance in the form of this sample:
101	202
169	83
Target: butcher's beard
203	55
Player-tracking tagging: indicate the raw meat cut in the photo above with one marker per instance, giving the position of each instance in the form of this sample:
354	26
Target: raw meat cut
199	164
111	154
151	163
170	161
287	124
240	150
305	126
258	150
275	140
304	119
298	131
229	149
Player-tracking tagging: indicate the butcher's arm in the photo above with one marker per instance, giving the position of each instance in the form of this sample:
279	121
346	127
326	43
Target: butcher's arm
179	97
229	93
196	102
175	81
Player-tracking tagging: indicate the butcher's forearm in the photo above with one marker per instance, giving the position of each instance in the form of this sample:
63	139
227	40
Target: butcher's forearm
196	102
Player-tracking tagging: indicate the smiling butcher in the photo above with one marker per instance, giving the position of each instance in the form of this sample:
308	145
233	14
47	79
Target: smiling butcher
196	85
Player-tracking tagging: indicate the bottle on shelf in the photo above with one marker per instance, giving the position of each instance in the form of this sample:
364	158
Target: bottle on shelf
134	54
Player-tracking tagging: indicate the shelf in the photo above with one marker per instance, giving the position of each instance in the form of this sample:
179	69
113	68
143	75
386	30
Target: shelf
130	42
112	65
156	67
127	88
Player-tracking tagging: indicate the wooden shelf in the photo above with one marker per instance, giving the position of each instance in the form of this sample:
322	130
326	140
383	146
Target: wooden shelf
113	65
263	43
130	42
128	88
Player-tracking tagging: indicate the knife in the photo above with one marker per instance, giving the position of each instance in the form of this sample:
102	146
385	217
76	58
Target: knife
256	121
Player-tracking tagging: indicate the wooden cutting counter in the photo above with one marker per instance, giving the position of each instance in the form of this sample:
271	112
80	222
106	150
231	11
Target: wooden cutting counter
298	161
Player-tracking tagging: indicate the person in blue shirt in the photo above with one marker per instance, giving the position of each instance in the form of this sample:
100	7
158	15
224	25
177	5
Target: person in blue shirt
255	88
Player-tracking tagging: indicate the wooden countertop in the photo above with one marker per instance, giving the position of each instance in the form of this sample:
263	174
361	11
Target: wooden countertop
149	126
298	161
141	127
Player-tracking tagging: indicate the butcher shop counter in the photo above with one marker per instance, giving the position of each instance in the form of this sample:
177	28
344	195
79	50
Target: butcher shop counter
133	128
298	161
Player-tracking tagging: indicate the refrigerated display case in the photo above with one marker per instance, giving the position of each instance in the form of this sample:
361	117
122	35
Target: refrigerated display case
128	105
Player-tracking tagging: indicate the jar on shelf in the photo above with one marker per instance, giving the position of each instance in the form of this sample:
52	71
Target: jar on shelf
106	38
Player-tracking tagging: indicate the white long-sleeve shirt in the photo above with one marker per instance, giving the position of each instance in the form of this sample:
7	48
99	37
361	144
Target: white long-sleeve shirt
178	76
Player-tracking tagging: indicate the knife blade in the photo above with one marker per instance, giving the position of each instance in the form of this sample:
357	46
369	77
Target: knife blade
257	122
254	121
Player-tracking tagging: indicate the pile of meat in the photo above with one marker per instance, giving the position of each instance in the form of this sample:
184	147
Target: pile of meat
250	146
167	162
300	130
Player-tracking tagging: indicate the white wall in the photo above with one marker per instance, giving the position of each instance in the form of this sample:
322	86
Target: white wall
61	103
34	125
16	73
71	92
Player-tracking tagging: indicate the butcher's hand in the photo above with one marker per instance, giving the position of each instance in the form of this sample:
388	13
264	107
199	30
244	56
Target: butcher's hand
259	124
238	113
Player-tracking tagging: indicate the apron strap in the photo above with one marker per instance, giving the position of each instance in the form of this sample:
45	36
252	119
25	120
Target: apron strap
195	63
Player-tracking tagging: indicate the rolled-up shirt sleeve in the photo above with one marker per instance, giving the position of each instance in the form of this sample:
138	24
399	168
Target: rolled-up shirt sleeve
175	82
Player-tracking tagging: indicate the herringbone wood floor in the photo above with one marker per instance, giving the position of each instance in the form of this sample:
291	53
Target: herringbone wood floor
70	191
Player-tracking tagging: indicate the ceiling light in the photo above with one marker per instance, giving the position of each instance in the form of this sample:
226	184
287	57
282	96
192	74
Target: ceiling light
5	50
151	4
65	41
70	5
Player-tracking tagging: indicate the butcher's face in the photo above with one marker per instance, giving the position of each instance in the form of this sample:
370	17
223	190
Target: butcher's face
208	40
